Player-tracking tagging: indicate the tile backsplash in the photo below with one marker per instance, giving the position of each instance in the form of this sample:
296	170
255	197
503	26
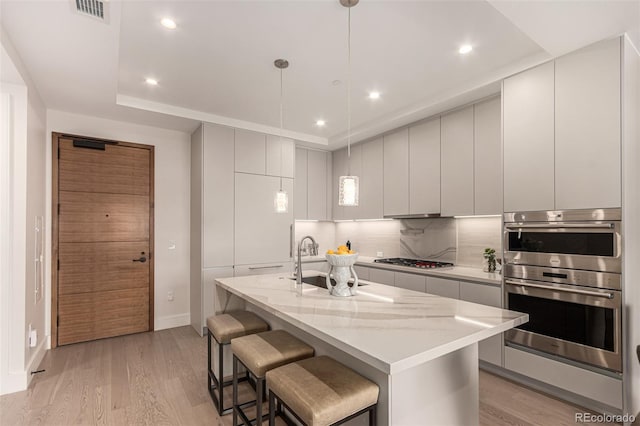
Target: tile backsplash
460	240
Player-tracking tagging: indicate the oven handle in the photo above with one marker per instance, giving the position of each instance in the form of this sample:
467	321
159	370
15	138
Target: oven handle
559	226
566	290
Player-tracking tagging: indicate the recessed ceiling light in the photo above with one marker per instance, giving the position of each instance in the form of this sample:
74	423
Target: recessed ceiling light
151	81
320	123
374	95
169	23
465	48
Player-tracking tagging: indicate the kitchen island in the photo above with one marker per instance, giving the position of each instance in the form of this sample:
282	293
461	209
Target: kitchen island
421	349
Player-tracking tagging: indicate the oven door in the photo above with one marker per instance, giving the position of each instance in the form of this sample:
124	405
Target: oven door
579	323
593	246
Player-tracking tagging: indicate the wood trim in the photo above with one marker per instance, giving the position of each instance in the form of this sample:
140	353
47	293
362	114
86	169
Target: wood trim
55	136
54	239
152	254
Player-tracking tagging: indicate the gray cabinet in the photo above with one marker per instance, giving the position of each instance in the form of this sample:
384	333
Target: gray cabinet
587	127
261	234
489	350
381	276
212	176
457	192
410	281
339	169
362	271
371	180
300	209
528	126
279	155
424	167
312	191
396	173
443	287
487	157
250	152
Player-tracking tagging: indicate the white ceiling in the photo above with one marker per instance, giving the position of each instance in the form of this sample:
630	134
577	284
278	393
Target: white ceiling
218	64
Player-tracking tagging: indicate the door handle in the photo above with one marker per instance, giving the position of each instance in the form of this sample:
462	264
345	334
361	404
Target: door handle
141	260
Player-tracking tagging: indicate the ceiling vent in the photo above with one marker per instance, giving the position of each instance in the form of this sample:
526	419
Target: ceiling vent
97	9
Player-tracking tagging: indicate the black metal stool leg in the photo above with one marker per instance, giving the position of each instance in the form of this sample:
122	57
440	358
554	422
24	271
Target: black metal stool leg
259	400
272	409
235	391
220	378
372	416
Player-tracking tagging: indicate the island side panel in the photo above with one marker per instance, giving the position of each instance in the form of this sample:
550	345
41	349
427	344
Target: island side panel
444	391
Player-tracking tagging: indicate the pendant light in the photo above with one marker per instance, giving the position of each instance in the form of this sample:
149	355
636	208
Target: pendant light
349	186
281	201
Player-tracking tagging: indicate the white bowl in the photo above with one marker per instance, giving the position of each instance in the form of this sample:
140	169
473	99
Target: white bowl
341	259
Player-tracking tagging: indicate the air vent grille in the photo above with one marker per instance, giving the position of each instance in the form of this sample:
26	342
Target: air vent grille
94	8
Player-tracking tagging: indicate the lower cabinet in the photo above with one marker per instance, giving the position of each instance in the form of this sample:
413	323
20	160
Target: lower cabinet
382	276
443	287
362	271
411	281
489	350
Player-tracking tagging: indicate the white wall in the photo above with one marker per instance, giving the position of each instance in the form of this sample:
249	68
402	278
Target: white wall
20	307
172	189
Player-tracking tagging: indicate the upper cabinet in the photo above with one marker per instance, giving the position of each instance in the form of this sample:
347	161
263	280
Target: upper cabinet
261	154
562	139
396	173
424	167
587	109
529	140
280	154
457	163
366	162
312	190
487	158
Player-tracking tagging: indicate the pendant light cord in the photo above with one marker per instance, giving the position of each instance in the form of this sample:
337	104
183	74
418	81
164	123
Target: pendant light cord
349	94
281	125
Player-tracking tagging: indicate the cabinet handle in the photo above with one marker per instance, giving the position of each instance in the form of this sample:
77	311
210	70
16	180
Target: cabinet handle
265	267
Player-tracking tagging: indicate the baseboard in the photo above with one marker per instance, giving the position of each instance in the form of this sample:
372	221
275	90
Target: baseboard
36	359
172	321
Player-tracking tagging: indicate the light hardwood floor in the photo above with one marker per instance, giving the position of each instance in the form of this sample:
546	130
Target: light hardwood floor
160	378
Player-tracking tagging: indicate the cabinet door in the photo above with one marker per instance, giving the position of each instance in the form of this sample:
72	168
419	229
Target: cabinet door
587	144
261	234
217	190
362	272
396	173
339	169
411	281
371	181
208	294
489	350
250	152
424	168
528	134
381	276
317	185
300	211
263	269
487	157
443	287
457	163
279	156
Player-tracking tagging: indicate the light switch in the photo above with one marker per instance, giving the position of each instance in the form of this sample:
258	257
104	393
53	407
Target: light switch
172	245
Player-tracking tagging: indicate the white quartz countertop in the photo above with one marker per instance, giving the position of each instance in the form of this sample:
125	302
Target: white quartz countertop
389	328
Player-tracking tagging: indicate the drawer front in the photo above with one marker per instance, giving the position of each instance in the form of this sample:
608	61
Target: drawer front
411	281
443	287
381	276
479	293
262	269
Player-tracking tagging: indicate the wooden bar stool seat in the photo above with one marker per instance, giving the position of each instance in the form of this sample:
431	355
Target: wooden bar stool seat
259	353
222	328
320	391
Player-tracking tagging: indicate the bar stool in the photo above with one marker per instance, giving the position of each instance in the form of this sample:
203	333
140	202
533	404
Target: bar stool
320	391
259	353
223	328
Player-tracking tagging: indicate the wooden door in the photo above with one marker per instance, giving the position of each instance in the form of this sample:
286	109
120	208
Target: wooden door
102	239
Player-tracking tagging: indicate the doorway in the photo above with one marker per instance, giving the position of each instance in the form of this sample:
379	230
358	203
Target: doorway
102	241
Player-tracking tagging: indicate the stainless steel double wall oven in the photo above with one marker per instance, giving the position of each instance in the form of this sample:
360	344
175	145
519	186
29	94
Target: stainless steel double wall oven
564	268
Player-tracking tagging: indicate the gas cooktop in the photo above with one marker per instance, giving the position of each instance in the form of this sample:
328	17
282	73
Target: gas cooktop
415	263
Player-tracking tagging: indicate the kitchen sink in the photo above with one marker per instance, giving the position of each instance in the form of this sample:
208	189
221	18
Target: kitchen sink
320	281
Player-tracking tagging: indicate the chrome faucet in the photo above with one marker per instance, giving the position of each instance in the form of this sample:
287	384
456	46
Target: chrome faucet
313	251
